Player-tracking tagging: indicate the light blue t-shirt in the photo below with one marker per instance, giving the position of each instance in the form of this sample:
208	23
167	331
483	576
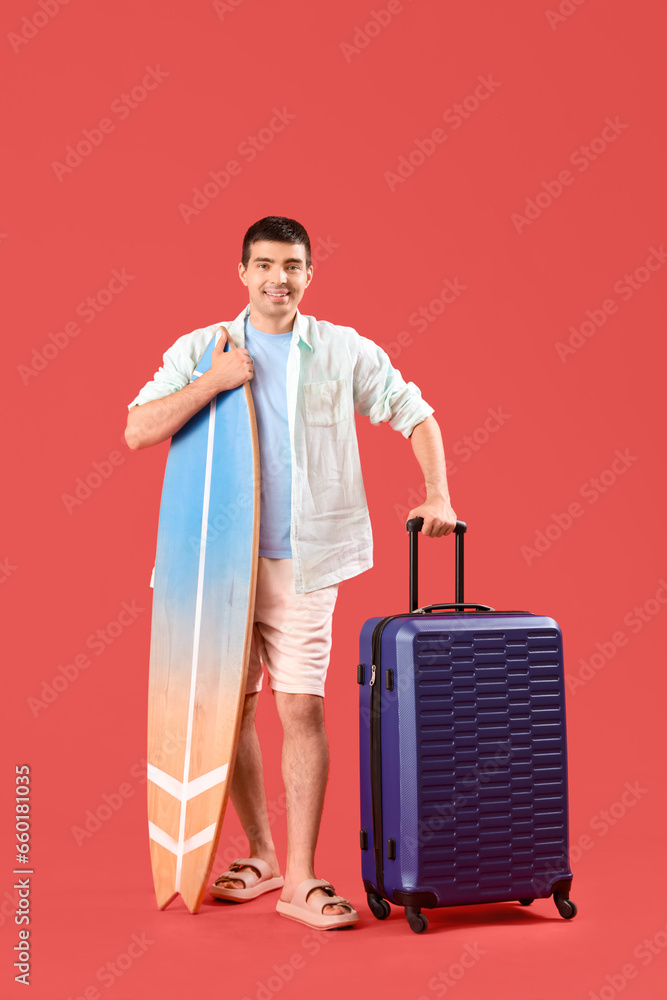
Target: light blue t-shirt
269	352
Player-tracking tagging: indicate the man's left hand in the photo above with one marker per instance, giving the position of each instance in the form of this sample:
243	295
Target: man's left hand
439	517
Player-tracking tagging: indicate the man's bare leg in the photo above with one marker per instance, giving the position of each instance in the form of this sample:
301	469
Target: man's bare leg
305	770
248	793
305	767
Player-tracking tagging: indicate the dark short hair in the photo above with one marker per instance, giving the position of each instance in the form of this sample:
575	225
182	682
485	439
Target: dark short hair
275	229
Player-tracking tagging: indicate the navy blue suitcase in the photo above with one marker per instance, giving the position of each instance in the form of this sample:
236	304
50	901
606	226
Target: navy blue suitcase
462	755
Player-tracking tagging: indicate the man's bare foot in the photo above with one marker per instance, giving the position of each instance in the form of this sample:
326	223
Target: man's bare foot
290	886
253	875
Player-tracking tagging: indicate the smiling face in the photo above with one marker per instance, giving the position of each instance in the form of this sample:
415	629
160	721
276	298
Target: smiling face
276	278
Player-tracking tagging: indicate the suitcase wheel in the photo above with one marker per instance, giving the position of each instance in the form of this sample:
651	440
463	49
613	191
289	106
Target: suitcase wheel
565	906
416	919
379	907
526	902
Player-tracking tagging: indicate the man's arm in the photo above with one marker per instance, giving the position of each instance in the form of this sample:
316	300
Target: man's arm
155	421
439	517
381	393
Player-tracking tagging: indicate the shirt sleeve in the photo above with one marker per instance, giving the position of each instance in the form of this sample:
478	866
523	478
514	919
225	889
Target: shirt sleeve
381	394
178	364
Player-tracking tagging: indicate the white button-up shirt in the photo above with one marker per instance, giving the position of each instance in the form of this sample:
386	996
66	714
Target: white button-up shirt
332	371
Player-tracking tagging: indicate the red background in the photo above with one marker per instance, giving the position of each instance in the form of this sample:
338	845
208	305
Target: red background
66	573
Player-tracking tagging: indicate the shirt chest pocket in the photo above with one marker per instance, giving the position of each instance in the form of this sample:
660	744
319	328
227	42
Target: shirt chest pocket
326	402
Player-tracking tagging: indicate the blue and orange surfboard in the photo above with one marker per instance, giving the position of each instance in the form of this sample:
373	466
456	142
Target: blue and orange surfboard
203	610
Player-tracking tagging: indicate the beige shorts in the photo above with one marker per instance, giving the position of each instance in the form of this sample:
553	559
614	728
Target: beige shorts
292	632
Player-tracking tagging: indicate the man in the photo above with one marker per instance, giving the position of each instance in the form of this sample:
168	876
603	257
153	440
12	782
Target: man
308	378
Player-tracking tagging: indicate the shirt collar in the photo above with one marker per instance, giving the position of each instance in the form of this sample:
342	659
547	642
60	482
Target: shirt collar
301	328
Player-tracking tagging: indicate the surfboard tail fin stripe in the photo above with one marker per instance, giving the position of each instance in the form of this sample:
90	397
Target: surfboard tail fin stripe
204	836
195	787
206	781
165	781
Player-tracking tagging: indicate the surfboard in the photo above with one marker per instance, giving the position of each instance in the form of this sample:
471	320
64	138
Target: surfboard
201	631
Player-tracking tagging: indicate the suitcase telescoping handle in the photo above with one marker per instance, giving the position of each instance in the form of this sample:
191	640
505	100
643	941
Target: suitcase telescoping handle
414	526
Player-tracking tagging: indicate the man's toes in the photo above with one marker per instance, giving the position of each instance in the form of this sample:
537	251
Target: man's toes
331	909
236	883
334	908
233	883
